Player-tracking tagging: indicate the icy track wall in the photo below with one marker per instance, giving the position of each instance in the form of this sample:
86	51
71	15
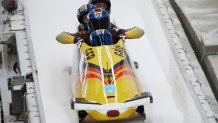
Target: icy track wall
188	72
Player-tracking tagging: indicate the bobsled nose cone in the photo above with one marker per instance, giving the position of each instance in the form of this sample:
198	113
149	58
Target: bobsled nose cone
113	113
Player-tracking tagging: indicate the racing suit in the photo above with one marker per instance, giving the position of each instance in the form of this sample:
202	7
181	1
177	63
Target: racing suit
68	38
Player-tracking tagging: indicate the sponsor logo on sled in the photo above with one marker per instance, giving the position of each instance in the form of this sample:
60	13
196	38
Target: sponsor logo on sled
110	89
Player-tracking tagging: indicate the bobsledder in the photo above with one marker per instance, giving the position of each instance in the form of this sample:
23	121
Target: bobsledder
106	85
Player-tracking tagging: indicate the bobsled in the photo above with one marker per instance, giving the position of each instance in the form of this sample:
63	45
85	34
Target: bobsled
105	86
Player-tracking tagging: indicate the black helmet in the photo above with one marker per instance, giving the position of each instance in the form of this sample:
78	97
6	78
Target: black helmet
84	9
9	5
98	19
83	27
108	3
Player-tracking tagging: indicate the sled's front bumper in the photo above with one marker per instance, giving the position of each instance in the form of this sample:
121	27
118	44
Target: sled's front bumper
82	104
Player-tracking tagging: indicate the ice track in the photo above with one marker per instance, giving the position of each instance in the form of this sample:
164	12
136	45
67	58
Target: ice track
172	100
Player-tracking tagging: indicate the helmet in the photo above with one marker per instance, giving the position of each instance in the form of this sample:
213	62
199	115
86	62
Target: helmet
98	19
108	3
100	37
85	9
83	27
9	5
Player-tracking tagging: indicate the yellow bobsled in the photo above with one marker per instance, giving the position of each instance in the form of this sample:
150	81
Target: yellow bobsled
106	85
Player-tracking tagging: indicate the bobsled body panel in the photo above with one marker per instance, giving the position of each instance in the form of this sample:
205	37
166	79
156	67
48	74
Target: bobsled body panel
106	77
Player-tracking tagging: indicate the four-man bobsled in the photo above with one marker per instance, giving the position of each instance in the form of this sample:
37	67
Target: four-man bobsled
105	86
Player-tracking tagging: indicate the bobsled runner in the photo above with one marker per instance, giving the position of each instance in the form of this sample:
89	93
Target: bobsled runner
105	86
